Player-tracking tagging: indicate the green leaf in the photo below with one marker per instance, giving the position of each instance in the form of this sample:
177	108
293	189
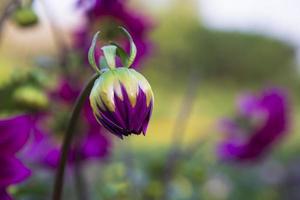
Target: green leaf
91	54
122	54
110	55
133	49
103	63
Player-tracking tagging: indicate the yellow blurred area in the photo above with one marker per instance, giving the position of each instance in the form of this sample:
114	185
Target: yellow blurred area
208	108
8	69
24	43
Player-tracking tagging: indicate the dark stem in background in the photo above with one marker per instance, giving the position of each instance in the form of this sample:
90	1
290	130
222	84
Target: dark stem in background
8	9
128	158
191	151
59	179
80	183
179	131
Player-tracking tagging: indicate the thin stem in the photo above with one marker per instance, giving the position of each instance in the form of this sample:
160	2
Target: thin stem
79	177
179	131
80	183
8	9
190	152
58	185
128	158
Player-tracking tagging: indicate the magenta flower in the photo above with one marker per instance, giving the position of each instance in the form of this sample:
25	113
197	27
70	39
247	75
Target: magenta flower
260	123
93	146
66	92
107	15
44	149
14	133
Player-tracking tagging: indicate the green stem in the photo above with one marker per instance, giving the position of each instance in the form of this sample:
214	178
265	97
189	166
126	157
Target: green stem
80	182
59	179
5	13
179	132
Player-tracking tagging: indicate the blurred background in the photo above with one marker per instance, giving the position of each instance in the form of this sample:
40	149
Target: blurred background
200	57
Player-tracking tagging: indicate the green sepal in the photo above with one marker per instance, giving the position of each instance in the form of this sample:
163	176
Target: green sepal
110	52
121	53
133	49
91	54
103	64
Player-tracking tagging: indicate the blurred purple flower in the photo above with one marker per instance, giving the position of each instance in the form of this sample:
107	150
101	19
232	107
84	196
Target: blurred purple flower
92	146
260	123
14	133
44	149
65	92
106	16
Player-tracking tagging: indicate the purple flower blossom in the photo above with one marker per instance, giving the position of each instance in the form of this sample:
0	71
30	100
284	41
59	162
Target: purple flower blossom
65	91
44	149
107	15
93	146
260	123
14	133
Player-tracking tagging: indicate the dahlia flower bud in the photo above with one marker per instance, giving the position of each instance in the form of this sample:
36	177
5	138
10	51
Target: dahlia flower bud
121	98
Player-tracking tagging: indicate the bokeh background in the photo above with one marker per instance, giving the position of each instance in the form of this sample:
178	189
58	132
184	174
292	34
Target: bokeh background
201	56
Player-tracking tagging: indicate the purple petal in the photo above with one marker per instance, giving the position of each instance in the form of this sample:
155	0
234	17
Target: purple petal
66	91
42	150
12	171
127	119
229	127
94	146
89	116
274	103
147	119
14	133
112	127
117	10
247	104
4	195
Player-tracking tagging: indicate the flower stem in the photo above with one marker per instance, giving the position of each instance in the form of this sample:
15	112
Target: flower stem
80	182
8	9
59	179
179	130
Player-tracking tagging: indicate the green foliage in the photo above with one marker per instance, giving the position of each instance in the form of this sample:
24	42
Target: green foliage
25	17
24	92
185	44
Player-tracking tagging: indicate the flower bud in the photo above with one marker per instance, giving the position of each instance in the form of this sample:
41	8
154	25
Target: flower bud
122	101
121	98
25	17
31	98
